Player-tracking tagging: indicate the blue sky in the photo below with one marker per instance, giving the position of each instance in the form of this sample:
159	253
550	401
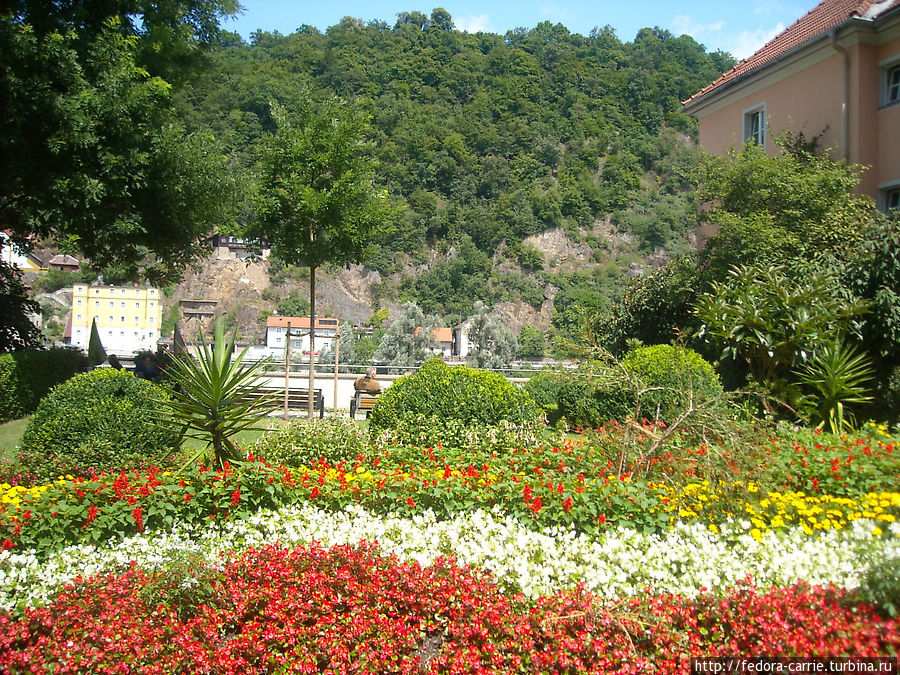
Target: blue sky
736	27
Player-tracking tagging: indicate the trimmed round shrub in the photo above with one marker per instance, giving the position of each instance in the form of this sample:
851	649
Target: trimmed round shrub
468	395
304	442
104	420
672	374
585	404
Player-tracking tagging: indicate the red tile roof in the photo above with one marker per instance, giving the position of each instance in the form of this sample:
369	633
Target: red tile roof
820	19
301	321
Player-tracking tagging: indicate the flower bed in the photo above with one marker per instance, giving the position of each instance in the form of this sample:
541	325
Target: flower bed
348	609
618	562
660	544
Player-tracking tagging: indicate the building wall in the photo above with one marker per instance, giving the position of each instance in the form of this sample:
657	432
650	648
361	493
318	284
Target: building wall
128	317
804	94
804	97
888	124
276	338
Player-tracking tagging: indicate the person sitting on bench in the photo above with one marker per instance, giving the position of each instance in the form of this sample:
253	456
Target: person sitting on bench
367	383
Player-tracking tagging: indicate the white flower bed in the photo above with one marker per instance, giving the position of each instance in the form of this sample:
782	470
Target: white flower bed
618	562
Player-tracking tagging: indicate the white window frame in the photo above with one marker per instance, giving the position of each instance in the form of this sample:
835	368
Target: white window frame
889	196
890	83
758	135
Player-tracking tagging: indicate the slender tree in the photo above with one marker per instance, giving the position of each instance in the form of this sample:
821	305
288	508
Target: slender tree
317	202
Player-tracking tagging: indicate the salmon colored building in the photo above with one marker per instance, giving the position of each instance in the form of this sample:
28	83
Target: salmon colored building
834	72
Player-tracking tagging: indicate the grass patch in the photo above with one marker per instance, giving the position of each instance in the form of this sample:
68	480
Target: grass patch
10	435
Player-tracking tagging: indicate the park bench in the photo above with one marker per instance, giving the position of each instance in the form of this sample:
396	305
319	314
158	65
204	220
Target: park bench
362	401
297	398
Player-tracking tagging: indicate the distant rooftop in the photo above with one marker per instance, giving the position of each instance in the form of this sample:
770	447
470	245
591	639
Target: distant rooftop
825	16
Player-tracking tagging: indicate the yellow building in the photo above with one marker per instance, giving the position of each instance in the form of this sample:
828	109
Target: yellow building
128	317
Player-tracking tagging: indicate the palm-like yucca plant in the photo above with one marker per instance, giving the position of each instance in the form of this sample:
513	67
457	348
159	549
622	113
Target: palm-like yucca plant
214	397
837	376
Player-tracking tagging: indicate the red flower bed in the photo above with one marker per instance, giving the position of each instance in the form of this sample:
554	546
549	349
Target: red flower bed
350	610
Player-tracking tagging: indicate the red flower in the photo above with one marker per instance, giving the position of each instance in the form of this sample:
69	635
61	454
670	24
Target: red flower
536	505
314	493
187	497
7	544
411	502
567	504
138	515
93	512
235	497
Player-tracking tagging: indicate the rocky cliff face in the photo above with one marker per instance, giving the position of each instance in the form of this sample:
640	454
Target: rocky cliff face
241	290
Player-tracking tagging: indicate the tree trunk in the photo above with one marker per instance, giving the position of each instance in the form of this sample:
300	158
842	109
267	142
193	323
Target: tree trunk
312	341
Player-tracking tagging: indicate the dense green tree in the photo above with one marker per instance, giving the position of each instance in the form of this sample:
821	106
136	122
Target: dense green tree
95	157
317	200
17	331
531	343
772	210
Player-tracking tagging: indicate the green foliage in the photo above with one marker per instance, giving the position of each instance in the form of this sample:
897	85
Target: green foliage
317	200
881	586
214	397
460	393
492	344
16	328
872	272
53	280
593	395
27	376
531	342
293	305
488	138
772	210
655	309
97	158
305	442
836	377
544	389
772	321
405	440
102	420
670	378
187	583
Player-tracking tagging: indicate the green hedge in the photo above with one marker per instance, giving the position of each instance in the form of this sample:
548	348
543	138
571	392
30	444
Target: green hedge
26	377
104	420
460	393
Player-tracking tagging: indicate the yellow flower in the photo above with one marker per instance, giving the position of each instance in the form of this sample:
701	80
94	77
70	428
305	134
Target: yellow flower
756	534
876	531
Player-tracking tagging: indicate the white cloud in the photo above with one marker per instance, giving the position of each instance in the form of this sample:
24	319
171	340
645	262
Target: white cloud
553	11
472	23
747	42
685	25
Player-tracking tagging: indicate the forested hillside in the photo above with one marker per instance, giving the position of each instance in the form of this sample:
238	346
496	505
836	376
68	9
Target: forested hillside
486	139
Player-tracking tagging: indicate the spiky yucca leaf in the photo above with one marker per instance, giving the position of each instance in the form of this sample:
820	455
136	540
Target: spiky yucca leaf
214	397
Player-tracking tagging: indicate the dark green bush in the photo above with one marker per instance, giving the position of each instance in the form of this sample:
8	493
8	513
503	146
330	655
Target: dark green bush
460	393
305	442
26	377
544	389
671	375
593	395
101	420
